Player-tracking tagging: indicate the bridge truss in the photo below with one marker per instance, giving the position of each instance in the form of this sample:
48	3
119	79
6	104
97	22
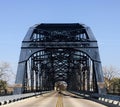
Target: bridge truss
59	52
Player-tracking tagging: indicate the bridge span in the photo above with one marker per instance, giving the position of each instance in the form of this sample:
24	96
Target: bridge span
60	57
54	99
52	53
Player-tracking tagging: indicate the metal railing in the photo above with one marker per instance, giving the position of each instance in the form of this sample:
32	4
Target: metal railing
13	98
111	100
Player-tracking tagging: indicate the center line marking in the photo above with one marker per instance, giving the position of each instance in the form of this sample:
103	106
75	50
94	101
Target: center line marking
59	101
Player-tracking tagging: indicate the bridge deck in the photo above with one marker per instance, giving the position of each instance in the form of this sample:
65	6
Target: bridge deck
53	99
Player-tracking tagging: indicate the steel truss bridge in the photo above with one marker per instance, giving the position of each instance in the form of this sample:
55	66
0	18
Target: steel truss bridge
53	53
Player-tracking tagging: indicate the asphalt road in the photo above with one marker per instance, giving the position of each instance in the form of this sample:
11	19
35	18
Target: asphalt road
54	99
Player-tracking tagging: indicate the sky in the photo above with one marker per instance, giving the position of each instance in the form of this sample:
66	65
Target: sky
102	16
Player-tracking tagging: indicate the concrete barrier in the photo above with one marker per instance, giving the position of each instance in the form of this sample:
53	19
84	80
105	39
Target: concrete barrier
13	98
111	100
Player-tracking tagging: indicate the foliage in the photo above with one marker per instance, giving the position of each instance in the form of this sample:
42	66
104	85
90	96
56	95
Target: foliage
115	86
3	87
112	80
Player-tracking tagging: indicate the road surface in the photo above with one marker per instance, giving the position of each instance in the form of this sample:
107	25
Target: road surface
54	99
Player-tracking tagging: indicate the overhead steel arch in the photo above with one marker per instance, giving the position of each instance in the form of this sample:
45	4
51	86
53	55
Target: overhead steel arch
51	53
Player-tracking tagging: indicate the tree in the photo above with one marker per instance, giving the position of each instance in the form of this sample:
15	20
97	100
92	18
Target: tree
115	86
3	87
111	78
4	76
4	68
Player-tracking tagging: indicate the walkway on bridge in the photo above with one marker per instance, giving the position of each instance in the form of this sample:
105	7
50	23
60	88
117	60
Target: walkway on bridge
54	99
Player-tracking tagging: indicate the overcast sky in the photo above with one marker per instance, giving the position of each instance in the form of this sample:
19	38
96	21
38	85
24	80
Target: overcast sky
103	16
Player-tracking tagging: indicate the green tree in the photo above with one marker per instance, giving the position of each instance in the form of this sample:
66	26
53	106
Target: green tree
3	87
115	86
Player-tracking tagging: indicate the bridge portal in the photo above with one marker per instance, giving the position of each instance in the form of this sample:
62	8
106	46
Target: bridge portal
51	53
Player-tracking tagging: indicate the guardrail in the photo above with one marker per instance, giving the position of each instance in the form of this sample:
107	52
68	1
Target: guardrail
111	100
13	98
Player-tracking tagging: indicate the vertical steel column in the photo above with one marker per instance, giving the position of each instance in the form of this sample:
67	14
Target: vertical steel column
25	81
32	75
88	74
94	80
36	80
